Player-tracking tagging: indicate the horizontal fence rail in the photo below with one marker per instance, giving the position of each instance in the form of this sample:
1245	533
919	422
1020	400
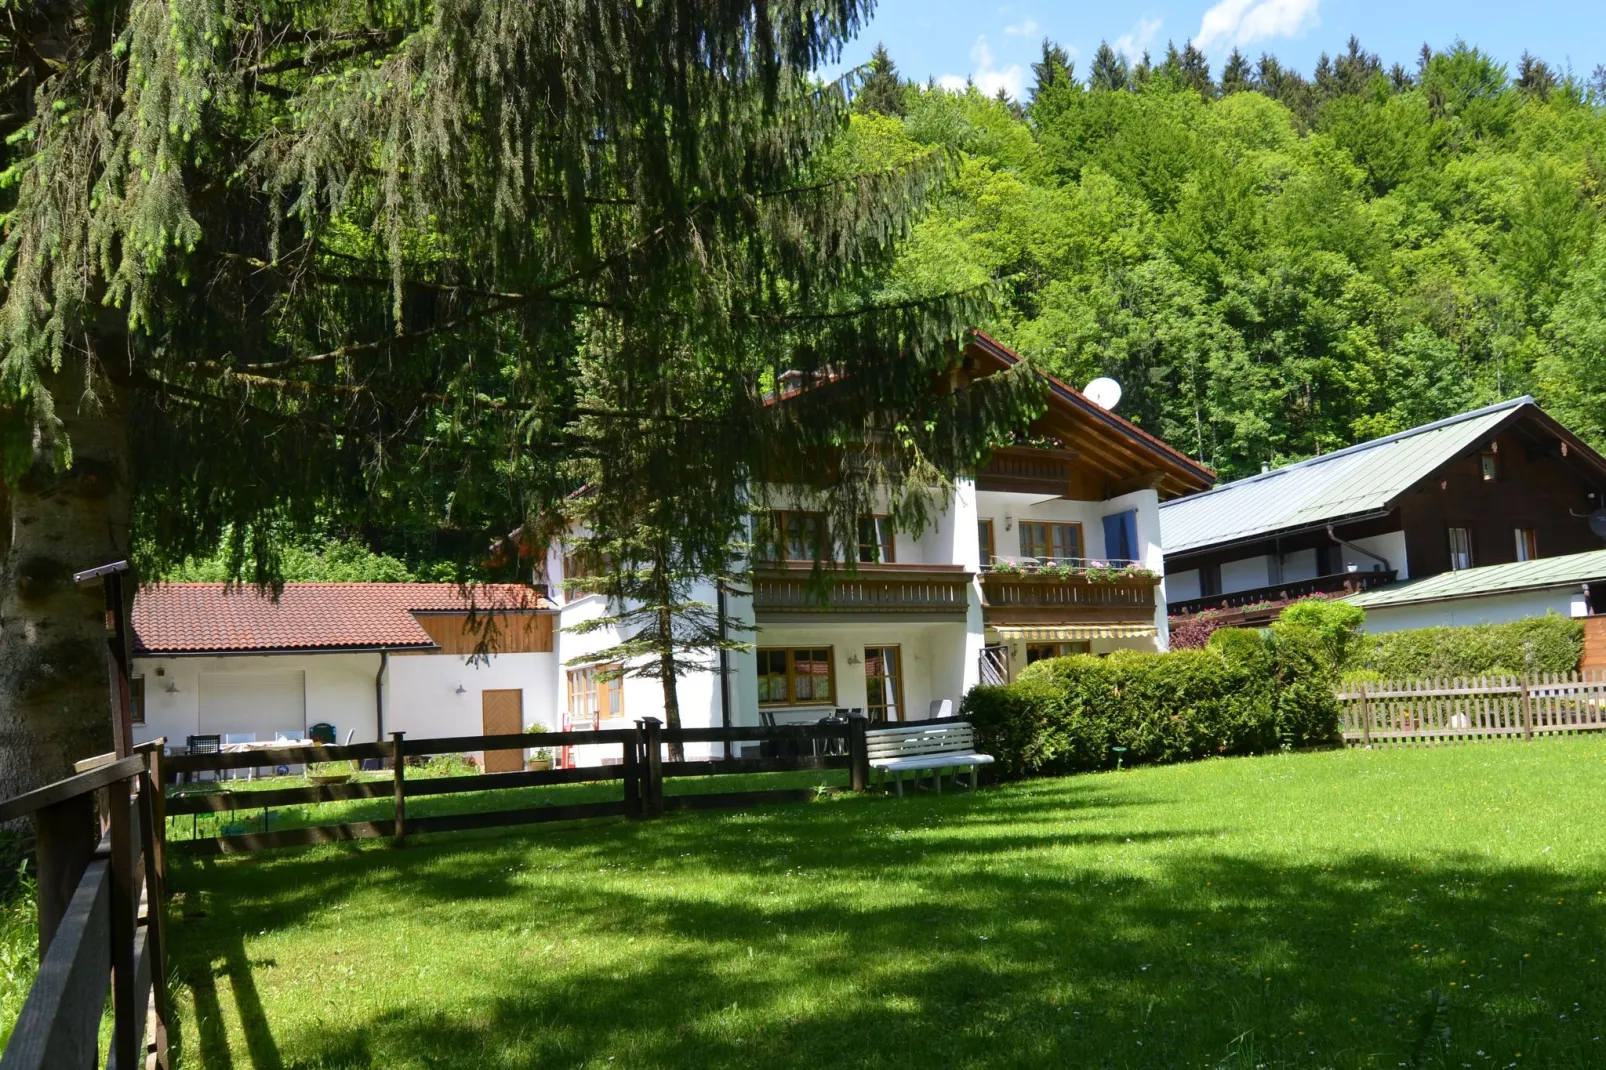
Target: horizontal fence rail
640	770
100	870
1423	712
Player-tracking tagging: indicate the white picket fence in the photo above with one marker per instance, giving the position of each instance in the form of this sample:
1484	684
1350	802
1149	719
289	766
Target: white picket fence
1425	712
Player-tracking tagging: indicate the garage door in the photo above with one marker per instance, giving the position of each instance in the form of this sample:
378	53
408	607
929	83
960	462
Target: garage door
257	703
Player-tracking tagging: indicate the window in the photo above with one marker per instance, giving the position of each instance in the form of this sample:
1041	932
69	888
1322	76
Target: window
1489	464
875	541
1460	548
1058	542
883	683
592	700
1209	580
789	536
136	699
1044	651
984	534
583	563
1527	544
789	676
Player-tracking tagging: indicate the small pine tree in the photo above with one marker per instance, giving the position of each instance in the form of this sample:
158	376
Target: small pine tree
1237	76
881	91
1535	78
1053	71
1110	70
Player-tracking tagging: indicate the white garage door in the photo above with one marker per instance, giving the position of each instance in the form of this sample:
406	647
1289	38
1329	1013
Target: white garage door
258	703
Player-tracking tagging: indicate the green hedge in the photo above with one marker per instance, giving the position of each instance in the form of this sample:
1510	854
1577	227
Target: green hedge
1246	693
1551	643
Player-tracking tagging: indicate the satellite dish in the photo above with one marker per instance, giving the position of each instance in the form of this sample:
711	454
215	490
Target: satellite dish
1597	522
1105	392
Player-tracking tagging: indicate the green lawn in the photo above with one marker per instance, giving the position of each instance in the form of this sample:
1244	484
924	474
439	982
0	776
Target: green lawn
1398	908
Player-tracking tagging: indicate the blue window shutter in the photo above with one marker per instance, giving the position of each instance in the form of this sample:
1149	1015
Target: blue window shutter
1121	536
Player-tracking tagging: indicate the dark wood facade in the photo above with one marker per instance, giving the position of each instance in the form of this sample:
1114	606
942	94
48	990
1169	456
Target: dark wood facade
1545	481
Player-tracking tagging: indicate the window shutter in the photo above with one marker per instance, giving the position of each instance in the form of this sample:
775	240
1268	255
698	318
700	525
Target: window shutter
1121	535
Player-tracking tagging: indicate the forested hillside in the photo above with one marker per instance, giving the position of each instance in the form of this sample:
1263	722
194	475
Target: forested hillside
1276	266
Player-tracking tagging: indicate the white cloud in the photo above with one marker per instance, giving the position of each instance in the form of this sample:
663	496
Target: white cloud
1024	28
988	79
1242	22
1132	43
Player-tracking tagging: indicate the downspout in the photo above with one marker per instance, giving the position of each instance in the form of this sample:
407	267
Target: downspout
724	668
1365	553
379	695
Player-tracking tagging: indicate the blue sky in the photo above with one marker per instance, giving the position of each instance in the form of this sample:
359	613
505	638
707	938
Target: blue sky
995	43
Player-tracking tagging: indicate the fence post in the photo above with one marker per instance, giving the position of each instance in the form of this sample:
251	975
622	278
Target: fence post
858	752
1527	714
1366	719
156	782
124	920
399	775
632	762
652	765
153	843
64	842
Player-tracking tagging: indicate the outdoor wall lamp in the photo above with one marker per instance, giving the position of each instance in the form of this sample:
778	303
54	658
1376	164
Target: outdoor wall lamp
461	690
1009	521
172	688
853	659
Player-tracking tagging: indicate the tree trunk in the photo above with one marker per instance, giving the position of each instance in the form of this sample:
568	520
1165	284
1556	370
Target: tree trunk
53	673
666	664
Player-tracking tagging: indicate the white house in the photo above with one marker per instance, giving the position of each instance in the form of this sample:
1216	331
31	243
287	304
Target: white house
1052	548
366	659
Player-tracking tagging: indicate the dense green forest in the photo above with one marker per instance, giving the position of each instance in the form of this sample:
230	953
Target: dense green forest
1275	266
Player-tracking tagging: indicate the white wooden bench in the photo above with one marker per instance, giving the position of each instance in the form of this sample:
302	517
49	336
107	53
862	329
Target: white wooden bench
916	748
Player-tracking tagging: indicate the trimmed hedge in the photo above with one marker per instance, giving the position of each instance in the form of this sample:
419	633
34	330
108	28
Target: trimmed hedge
1551	643
1246	693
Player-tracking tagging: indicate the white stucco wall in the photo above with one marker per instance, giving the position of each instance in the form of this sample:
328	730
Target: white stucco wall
420	692
1494	609
1299	566
1182	586
1390	546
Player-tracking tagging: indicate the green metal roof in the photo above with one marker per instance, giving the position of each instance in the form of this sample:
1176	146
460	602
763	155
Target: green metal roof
1359	481
1568	571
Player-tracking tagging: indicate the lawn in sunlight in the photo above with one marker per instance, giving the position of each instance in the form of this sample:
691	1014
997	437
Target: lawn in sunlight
1438	907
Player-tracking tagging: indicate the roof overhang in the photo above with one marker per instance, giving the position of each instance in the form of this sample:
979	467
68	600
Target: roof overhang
1133	456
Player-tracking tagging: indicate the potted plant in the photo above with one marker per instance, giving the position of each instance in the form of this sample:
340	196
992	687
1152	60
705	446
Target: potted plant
540	758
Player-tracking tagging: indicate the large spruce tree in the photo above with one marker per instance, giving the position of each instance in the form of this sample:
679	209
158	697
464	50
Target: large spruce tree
276	265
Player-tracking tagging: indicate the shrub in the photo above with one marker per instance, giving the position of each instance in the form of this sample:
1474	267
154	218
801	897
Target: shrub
1337	624
1244	694
1548	644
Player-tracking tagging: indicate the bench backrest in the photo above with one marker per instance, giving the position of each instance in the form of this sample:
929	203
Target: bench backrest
914	741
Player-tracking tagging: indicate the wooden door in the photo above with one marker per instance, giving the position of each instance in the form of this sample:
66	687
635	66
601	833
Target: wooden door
503	715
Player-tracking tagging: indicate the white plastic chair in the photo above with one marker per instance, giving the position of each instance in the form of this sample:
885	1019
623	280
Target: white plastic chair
940	707
240	737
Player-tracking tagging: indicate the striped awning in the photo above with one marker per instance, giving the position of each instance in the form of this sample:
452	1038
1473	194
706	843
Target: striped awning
1074	632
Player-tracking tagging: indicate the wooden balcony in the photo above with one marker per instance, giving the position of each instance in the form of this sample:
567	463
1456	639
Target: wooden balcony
915	593
1259	604
1041	598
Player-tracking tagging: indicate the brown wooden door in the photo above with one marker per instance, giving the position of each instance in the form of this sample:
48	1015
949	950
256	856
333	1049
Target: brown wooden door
503	715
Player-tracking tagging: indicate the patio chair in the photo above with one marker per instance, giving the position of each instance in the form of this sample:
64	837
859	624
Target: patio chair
202	745
940	707
241	737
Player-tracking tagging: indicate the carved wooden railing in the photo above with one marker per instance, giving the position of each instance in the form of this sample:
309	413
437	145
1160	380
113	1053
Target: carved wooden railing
926	591
1006	595
1338	583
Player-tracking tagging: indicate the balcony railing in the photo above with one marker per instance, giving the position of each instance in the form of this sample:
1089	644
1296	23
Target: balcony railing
898	592
1102	596
1278	594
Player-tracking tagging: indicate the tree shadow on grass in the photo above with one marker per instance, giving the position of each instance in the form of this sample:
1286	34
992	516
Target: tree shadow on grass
983	947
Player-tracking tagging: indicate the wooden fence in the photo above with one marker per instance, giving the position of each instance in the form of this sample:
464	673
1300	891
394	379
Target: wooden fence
100	919
1420	712
641	772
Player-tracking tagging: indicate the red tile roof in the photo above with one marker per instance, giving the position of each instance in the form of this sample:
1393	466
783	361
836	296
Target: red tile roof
185	618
